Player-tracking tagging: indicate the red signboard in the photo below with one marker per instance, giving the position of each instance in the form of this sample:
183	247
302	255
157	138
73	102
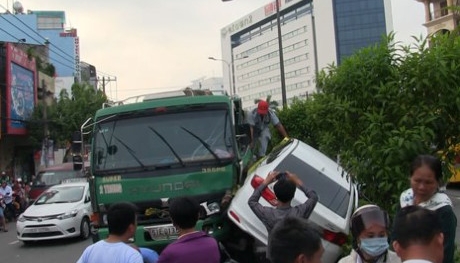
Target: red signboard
21	89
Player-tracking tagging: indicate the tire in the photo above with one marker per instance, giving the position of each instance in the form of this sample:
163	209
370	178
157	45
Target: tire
85	229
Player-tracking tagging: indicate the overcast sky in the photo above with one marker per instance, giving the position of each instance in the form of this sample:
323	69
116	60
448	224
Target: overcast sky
156	45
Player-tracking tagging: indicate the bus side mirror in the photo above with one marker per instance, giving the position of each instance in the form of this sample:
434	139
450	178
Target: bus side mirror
243	134
77	162
77	143
77	158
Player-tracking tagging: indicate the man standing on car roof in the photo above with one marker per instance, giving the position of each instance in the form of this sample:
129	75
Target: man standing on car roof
259	120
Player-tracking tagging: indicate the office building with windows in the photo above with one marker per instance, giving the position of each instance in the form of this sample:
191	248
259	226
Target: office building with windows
314	33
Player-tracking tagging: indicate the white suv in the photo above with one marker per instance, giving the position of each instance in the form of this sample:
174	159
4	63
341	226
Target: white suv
338	196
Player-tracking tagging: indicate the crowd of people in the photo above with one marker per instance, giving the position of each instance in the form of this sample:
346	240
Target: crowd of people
423	229
13	200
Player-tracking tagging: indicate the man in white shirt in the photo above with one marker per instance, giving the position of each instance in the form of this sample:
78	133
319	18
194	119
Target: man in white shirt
122	222
417	235
6	192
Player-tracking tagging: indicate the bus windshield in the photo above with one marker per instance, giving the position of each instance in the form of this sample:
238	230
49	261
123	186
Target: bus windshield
171	138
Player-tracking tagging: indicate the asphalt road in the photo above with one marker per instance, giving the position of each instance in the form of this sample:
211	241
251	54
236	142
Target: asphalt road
69	250
14	251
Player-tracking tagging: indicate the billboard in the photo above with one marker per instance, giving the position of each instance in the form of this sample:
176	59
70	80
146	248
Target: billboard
21	87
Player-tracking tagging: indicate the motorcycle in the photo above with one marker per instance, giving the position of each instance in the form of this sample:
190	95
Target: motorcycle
9	211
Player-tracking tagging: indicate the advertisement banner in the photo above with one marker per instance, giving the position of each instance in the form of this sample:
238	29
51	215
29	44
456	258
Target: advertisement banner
21	76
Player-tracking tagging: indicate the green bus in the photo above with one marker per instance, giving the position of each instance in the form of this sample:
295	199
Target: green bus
150	149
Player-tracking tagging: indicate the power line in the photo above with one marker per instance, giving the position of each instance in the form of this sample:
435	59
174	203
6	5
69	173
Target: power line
54	60
11	23
9	34
50	43
38	34
105	74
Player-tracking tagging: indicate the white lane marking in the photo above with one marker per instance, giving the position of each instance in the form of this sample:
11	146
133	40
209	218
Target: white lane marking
14	242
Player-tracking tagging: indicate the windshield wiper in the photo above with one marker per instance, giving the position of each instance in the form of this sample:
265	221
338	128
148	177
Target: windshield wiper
167	144
130	151
205	144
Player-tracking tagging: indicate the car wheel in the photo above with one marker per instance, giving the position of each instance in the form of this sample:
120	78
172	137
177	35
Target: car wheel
85	230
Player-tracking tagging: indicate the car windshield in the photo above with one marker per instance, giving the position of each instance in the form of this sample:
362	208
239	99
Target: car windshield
53	177
69	194
162	140
332	195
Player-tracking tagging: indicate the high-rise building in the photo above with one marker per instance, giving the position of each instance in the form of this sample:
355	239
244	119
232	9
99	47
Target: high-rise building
440	16
314	35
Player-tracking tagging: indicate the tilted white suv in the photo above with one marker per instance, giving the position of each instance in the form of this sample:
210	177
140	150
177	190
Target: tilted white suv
338	196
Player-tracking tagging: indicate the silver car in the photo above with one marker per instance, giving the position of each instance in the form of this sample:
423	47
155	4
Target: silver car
338	196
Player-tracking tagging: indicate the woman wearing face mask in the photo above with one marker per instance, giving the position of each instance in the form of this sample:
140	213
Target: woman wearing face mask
369	228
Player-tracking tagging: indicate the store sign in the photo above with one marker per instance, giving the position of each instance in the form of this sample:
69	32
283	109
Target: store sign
271	8
238	25
77	59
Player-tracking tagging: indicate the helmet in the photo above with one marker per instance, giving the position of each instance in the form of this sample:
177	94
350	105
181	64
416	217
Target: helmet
364	217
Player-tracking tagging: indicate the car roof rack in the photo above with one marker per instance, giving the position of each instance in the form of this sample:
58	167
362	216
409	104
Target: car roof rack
166	94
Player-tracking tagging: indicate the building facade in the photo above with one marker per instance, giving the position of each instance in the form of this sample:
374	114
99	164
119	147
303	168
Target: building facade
441	15
45	28
44	34
314	33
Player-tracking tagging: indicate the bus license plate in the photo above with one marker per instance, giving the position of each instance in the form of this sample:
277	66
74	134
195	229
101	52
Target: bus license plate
163	232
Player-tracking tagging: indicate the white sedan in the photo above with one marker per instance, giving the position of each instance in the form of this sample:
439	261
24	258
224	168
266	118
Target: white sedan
337	194
62	211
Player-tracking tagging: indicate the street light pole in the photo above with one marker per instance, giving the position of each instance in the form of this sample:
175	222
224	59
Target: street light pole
280	47
230	72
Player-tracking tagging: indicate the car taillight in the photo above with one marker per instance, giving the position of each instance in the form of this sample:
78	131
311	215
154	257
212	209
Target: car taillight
267	194
333	237
235	216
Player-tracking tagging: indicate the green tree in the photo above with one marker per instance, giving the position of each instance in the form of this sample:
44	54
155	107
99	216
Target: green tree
65	115
380	108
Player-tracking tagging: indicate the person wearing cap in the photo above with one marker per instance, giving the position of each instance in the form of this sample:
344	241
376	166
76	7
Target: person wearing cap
369	229
259	120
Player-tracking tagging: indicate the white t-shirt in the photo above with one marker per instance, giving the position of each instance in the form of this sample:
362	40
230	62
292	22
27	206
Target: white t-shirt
104	252
7	193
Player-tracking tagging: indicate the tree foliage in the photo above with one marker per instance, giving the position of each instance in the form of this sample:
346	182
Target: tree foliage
380	108
65	115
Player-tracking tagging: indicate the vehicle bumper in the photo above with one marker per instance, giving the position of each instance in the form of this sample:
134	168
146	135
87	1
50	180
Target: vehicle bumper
49	229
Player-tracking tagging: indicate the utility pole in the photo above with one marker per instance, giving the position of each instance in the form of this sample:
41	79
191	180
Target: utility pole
106	80
45	124
280	47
